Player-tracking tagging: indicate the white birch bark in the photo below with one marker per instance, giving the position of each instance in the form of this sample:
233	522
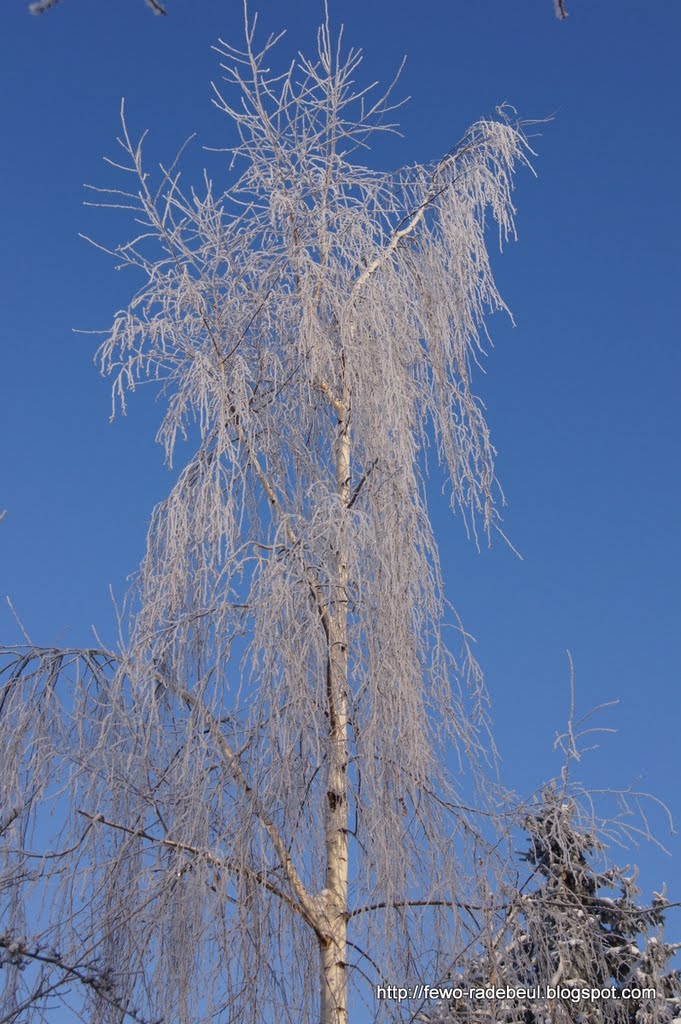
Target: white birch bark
334	1004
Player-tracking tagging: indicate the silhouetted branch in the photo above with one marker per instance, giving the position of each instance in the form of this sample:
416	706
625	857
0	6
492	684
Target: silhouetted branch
41	6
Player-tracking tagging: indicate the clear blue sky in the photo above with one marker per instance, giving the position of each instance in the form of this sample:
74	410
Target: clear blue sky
583	394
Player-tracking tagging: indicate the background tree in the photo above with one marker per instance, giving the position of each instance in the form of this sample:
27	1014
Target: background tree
572	924
251	789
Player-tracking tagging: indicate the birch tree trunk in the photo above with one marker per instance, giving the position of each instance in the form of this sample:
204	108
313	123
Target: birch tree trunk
334	1006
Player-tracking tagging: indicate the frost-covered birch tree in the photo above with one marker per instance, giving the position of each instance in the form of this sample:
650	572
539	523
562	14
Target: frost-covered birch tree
251	807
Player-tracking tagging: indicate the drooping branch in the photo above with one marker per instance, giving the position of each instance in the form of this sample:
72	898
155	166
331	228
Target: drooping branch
305	903
18	953
225	864
412	220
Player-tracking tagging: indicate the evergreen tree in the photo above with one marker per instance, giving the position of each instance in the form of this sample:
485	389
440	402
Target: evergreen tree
569	928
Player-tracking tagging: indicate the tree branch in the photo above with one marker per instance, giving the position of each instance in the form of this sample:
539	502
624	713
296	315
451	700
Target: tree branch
412	221
307	907
88	975
41	6
420	903
221	863
303	903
